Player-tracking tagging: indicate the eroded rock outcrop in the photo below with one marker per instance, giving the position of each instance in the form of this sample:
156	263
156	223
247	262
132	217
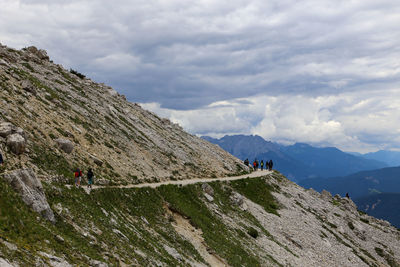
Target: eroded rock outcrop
30	188
65	145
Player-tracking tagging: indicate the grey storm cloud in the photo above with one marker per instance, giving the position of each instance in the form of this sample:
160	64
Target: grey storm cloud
190	55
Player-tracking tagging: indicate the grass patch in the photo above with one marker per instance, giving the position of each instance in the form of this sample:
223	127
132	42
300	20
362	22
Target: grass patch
258	191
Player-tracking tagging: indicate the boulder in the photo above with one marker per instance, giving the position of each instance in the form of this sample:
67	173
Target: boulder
237	199
16	143
27	86
41	54
4	263
96	160
29	187
326	195
65	145
207	189
7	128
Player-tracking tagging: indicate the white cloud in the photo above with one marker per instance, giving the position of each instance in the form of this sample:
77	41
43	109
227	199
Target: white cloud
325	72
360	121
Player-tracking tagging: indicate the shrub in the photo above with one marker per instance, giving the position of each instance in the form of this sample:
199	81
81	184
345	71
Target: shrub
80	75
252	232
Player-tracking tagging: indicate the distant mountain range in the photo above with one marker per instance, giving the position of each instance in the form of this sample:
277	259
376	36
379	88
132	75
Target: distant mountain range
383	206
391	158
359	184
298	161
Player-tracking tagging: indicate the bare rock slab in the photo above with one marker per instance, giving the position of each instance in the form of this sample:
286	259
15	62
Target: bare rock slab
16	143
65	145
30	188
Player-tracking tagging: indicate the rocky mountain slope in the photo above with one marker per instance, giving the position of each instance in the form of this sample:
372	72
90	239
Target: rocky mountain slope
53	121
66	121
266	221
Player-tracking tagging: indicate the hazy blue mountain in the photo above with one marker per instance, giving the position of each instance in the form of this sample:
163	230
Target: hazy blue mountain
297	161
384	206
330	161
245	146
386	180
391	158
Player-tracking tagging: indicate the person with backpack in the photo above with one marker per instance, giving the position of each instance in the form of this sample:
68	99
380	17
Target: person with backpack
262	165
255	165
90	176
270	164
246	162
78	177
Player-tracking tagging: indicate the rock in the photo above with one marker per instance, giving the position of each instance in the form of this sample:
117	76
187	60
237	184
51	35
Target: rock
208	189
59	239
30	188
10	246
4	263
27	86
55	261
208	197
65	145
7	128
41	54
326	195
144	220
96	160
16	143
3	63
96	263
237	199
173	252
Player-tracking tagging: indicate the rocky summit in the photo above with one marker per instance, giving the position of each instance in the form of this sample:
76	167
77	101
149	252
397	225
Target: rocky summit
155	200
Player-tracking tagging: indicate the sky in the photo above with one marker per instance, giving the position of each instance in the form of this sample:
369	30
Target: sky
321	72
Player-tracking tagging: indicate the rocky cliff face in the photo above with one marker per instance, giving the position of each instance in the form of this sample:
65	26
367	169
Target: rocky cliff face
70	121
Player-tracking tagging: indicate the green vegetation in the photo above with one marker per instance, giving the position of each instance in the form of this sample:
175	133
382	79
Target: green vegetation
48	160
258	191
80	75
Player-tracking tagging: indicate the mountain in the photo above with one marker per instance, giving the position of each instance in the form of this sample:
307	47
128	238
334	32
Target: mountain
386	180
391	158
298	161
55	108
384	206
145	208
329	161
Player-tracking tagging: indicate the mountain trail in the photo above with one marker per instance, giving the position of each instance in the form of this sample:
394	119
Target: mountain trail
182	182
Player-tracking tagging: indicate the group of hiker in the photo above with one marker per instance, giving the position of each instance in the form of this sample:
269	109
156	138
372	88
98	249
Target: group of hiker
260	164
78	177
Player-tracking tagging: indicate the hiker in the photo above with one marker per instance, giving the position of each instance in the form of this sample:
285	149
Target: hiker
78	177
246	162
255	165
1	159
90	178
347	195
270	164
262	165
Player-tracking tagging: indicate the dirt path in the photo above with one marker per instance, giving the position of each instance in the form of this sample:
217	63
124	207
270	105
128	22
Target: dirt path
188	181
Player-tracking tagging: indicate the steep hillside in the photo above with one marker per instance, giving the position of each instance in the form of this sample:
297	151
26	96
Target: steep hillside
58	111
267	221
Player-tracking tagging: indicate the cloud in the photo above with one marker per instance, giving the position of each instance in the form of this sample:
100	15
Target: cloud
286	69
360	121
